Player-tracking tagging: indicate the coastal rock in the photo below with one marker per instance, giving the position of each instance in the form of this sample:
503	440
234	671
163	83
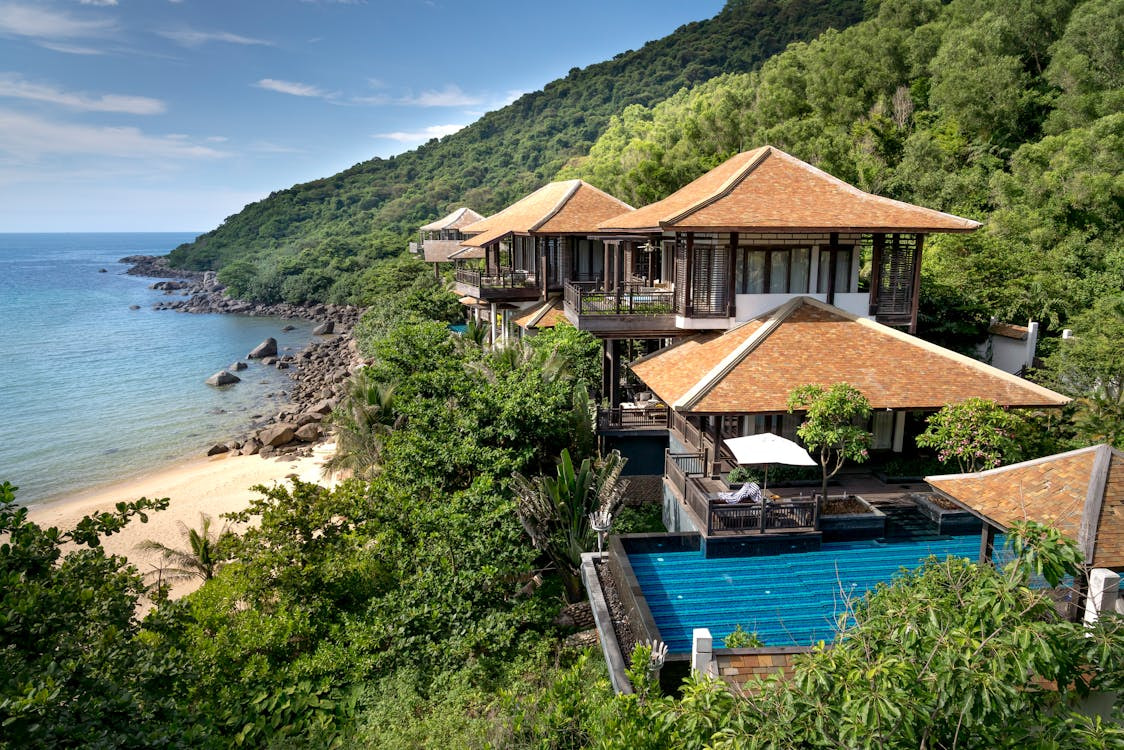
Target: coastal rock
134	307
277	435
103	270
238	366
222	377
251	447
323	406
288	328
267	348
269	361
324	328
282	365
215	450
309	432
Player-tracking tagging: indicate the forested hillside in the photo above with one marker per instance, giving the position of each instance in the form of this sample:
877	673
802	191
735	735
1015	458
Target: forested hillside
315	241
1005	111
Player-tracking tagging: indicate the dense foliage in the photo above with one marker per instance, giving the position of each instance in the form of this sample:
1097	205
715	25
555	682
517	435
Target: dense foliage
972	435
319	240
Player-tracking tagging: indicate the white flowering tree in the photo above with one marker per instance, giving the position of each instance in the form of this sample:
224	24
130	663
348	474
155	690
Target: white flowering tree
976	434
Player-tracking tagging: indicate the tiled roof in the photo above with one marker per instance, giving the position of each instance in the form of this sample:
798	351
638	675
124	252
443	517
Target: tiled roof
458	219
1009	331
769	190
1081	493
752	368
467	253
543	316
569	206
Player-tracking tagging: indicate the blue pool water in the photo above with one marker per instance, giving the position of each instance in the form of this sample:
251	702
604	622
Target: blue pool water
793	599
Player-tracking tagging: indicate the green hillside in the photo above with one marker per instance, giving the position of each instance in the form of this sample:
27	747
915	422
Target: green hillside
315	241
1005	111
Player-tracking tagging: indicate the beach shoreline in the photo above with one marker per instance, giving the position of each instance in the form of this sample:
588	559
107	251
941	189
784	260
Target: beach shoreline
208	485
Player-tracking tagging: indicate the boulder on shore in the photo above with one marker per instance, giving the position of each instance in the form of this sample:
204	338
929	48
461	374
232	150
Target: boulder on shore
237	366
277	435
217	449
288	328
267	348
222	377
309	432
324	328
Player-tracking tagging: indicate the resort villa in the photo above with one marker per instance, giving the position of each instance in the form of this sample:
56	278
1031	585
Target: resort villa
713	305
438	240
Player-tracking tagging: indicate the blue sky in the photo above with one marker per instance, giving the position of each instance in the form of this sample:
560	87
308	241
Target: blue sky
149	115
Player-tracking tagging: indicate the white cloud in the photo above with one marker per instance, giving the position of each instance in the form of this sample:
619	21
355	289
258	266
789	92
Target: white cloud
267	147
196	38
293	88
37	23
13	85
29	137
98	2
420	136
71	49
450	96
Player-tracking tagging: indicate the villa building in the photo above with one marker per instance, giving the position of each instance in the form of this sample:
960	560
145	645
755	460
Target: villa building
523	254
439	239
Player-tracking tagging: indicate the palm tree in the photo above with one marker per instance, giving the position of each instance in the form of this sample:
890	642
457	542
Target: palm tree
362	420
202	557
555	511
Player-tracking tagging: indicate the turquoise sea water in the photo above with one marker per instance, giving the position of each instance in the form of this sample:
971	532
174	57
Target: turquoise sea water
91	391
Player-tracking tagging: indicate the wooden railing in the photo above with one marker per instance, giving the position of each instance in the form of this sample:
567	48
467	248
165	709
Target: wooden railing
586	298
620	418
678	466
683	426
748	518
503	279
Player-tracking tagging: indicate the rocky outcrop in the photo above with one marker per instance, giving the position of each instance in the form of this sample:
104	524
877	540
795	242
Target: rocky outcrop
277	435
324	329
238	366
156	266
265	349
222	377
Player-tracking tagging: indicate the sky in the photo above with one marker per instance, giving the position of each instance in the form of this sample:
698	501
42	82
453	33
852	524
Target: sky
170	115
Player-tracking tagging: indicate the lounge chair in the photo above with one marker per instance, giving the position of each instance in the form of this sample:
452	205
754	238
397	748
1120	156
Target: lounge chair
748	491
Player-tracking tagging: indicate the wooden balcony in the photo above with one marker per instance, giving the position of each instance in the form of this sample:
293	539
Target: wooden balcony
621	418
632	309
504	284
687	473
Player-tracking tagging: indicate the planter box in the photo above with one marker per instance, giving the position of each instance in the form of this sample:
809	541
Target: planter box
854	526
949	522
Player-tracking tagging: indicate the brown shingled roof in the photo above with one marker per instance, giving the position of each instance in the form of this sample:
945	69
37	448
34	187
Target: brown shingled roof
458	219
1081	493
566	207
769	190
543	316
751	368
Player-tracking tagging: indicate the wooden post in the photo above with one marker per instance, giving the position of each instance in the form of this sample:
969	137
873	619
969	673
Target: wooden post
916	283
877	244
987	544
833	256
690	273
732	274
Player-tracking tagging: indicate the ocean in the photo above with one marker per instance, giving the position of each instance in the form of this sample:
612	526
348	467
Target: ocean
93	392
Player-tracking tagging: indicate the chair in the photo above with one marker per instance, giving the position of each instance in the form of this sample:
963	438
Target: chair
748	491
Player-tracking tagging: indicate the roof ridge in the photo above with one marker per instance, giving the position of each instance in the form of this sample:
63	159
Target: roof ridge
1020	465
776	316
558	206
725	188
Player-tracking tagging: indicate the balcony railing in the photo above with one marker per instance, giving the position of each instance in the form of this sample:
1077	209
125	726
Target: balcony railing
620	418
677	467
750	518
502	279
586	298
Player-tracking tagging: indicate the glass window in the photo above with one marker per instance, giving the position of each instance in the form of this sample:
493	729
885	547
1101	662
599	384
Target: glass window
824	271
800	271
778	273
843	270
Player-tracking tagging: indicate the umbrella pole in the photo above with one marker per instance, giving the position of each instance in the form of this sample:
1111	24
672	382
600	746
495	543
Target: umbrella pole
766	478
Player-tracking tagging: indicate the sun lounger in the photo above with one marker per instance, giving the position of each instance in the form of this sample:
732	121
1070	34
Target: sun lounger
748	491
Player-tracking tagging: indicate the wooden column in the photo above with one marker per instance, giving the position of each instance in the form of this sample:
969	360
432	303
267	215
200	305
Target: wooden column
833	256
916	283
688	295
606	369
715	436
605	268
877	244
732	277
987	544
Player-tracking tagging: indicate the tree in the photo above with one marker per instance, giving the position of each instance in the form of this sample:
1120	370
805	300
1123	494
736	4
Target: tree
201	558
829	425
1090	367
361	422
555	511
976	433
74	671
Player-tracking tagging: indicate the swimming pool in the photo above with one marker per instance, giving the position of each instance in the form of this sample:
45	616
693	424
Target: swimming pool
791	599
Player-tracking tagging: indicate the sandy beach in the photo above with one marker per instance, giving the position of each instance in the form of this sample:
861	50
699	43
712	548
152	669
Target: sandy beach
213	486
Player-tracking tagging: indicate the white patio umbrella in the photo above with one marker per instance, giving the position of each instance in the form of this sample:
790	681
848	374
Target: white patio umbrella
766	449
